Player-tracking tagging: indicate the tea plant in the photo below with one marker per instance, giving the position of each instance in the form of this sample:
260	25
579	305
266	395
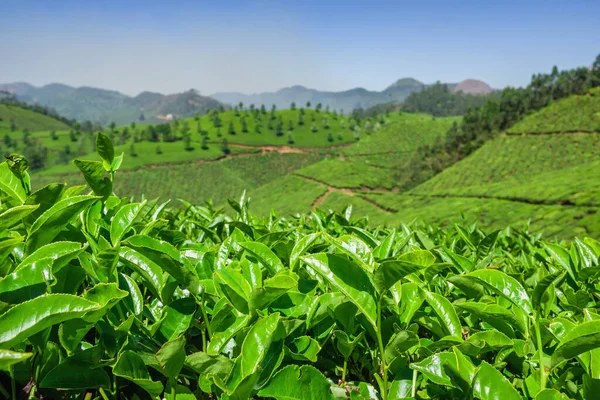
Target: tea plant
103	298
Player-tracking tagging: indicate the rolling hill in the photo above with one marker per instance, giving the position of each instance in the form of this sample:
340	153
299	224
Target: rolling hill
105	106
543	174
27	119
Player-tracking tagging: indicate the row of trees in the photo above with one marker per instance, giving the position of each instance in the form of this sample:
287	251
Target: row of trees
497	114
439	101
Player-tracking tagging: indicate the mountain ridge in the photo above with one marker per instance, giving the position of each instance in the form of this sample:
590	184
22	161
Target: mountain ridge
105	105
347	100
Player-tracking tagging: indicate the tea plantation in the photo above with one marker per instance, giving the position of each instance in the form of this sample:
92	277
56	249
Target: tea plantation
106	298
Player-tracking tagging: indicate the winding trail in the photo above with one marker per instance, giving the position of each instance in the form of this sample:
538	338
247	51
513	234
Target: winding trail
350	192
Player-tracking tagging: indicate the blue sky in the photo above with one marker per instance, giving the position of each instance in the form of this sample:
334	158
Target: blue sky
263	45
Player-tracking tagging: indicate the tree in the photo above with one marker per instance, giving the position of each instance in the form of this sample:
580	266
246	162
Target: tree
13	126
326	123
241	105
204	144
314	128
72	135
263	109
257	128
300	120
112	126
329	137
216	120
53	135
244	125
132	151
293	105
65	155
308	104
225	147
231	128
318	108
290	125
132	126
273	108
141	117
187	142
158	150
7	140
279	128
87	126
290	139
152	134
185	128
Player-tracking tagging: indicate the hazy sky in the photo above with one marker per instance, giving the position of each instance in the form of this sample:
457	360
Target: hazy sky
263	45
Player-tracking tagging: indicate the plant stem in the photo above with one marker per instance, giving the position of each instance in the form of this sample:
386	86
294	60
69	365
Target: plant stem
538	335
413	388
103	393
88	396
203	340
173	392
13	384
381	350
205	316
344	370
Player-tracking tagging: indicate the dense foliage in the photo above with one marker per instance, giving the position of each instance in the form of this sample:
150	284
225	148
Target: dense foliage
439	101
103	298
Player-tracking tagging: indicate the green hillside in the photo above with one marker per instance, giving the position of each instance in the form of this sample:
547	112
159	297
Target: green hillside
27	119
297	160
403	133
572	114
516	159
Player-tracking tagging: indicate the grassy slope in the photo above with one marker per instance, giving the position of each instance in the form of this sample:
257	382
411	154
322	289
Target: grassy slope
287	195
198	182
573	114
174	152
403	133
365	163
347	174
547	168
27	119
301	134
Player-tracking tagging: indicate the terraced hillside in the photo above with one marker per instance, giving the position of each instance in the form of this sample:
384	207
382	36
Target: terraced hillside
549	181
572	114
175	168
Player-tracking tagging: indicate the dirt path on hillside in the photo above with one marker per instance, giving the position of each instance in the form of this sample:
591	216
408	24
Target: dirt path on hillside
350	192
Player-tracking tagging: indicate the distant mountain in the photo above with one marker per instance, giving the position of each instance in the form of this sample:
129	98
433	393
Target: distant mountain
347	100
104	106
472	86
